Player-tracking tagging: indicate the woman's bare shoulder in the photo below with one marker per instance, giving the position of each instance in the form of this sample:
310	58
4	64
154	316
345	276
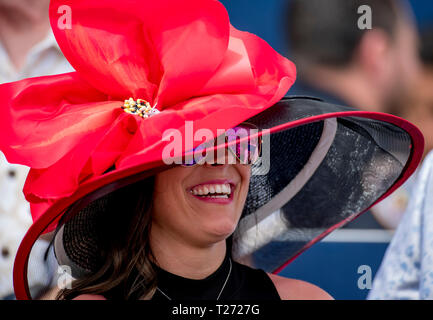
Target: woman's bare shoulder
292	289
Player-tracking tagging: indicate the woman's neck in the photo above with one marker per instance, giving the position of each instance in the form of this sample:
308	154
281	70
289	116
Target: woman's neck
22	25
181	258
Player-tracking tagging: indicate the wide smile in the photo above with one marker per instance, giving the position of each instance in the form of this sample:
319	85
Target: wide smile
216	191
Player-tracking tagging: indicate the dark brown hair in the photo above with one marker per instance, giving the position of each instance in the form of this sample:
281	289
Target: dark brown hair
125	269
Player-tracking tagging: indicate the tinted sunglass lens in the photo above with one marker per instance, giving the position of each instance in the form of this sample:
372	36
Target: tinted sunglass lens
242	147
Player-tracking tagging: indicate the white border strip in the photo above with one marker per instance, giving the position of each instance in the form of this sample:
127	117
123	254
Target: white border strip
360	235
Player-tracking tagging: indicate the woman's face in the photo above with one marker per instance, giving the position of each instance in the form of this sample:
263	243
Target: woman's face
202	203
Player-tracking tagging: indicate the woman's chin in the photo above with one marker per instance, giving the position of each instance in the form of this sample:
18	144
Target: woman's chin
220	231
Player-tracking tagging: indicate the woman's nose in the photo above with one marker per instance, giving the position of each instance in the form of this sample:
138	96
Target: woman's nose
220	157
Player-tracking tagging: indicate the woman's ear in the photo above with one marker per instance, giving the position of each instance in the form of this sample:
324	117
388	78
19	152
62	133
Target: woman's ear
374	50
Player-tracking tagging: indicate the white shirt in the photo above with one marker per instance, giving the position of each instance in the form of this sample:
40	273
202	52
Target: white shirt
406	271
45	58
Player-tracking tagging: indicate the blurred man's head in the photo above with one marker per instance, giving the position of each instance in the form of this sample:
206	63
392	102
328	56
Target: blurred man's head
325	34
419	109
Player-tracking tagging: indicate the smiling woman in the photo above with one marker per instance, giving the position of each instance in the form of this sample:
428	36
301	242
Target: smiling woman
126	221
177	234
222	209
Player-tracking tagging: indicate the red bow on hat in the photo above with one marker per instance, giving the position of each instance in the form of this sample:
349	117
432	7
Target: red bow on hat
182	57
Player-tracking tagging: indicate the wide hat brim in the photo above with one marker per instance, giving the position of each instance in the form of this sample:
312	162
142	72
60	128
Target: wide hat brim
327	164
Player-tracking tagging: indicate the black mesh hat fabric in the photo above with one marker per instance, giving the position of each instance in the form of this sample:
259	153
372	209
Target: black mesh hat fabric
319	174
80	240
297	144
365	159
84	236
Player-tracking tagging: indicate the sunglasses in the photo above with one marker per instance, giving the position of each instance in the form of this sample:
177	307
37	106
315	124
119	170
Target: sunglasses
242	148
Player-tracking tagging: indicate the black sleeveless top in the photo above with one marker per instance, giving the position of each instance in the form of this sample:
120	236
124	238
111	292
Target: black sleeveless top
243	283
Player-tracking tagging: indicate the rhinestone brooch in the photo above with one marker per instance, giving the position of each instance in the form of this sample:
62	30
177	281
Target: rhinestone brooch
139	107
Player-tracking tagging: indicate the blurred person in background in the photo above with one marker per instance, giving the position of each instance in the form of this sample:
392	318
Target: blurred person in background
368	69
406	271
419	110
27	49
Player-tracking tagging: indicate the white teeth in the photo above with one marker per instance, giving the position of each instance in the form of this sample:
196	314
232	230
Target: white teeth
227	189
205	190
208	189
